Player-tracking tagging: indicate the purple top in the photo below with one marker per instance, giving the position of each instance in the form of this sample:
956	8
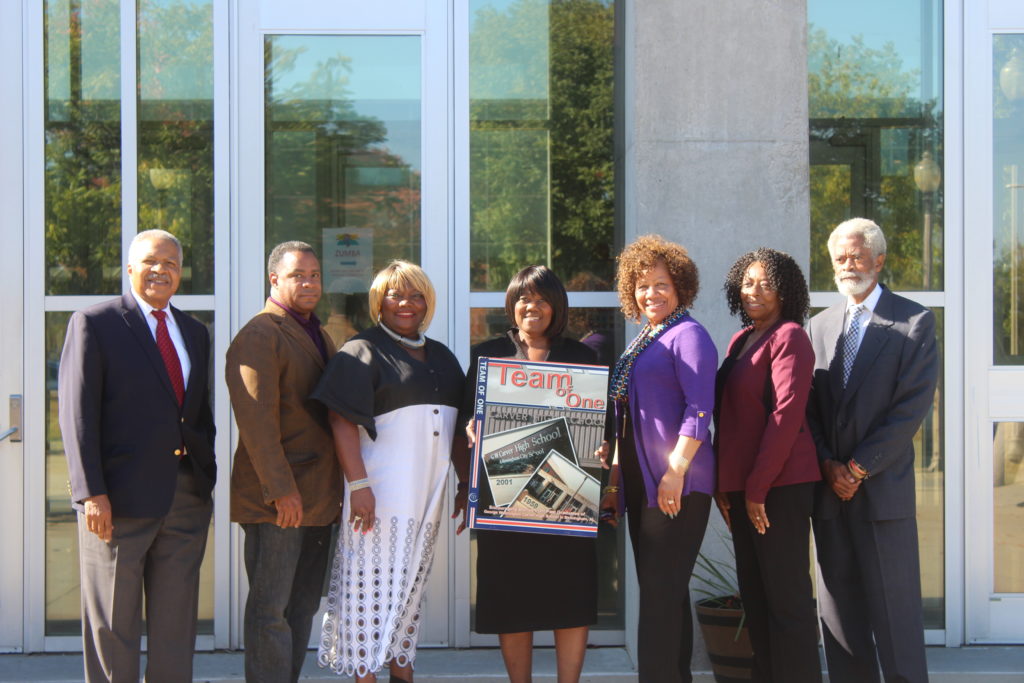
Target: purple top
672	394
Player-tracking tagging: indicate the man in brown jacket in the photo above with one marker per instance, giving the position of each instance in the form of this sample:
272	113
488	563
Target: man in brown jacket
286	483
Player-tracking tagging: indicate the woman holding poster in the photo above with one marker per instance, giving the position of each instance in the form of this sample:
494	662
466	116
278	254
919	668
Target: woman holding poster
393	398
530	582
663	471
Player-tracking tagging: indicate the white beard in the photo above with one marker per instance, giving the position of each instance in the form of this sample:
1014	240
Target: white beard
850	287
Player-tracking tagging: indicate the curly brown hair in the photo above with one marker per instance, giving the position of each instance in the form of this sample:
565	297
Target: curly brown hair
645	253
784	276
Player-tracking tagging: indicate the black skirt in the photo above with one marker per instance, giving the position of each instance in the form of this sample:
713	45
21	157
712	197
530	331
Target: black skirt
534	582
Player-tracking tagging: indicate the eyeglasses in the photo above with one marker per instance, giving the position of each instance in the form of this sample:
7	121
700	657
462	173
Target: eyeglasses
397	297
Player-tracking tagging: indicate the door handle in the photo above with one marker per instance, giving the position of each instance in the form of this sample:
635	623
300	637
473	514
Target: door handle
14	431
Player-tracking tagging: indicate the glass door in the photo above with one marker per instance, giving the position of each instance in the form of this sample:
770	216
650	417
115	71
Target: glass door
12	452
342	143
118	137
994	152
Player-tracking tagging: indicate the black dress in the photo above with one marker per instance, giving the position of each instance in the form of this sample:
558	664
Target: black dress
531	582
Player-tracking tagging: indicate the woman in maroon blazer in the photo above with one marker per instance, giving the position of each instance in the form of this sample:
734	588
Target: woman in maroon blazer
767	464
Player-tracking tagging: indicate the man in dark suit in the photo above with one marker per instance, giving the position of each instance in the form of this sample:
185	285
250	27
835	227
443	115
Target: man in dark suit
138	434
874	382
286	482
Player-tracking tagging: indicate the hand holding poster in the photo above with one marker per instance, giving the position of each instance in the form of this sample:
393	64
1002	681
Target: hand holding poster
537	427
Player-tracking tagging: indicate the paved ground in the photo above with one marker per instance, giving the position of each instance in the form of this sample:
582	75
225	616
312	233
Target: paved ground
603	665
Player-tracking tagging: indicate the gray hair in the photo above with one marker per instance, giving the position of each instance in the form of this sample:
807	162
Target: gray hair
867	230
278	252
152	236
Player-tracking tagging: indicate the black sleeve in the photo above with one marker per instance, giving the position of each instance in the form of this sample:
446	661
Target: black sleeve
349	384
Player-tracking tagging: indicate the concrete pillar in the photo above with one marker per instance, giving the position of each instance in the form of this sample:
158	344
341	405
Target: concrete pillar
714	138
715	133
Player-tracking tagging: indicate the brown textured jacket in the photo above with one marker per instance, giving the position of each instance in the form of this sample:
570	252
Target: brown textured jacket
284	443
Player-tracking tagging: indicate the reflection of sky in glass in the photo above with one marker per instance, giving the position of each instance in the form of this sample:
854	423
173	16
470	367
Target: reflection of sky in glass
914	30
382	81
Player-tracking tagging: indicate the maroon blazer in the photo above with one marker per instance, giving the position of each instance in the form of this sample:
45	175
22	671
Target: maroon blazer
762	438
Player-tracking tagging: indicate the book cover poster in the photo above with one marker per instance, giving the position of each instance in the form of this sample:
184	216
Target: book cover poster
537	427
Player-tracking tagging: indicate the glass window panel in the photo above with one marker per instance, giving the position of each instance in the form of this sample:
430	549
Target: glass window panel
343	158
875	98
63	587
82	146
603	330
175	184
1008	199
541	145
1008	513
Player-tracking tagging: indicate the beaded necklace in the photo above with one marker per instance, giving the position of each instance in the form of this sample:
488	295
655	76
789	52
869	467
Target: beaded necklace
618	387
404	341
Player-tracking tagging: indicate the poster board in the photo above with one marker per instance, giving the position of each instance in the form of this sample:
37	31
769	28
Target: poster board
537	427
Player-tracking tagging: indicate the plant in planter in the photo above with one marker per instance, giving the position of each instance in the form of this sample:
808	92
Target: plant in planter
721	617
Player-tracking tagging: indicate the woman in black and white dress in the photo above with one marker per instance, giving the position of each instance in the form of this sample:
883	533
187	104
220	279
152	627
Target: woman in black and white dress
393	397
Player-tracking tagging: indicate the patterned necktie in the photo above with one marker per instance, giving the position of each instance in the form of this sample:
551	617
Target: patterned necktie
851	342
170	354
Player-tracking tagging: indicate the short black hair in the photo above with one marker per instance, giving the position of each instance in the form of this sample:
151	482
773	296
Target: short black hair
785	277
278	252
542	281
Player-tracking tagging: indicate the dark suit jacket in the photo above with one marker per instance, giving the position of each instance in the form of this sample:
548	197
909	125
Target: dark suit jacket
874	420
119	417
285	445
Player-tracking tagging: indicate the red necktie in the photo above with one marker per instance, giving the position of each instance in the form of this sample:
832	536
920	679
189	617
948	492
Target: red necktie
170	354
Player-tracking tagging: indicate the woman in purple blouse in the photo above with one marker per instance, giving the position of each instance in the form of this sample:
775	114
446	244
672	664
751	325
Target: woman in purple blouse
663	469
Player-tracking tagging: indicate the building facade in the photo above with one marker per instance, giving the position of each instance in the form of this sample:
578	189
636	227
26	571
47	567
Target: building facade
478	136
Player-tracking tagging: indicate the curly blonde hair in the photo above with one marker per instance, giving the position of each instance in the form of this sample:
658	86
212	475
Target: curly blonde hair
642	255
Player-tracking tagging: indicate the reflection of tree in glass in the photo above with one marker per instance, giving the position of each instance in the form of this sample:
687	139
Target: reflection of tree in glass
176	131
541	151
82	175
863	102
328	164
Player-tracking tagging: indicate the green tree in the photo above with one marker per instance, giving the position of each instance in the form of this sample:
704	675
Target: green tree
542	155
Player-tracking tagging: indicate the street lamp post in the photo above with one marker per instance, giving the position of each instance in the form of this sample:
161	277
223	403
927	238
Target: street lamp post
927	177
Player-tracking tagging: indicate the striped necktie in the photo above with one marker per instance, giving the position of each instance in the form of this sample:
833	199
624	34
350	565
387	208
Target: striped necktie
851	342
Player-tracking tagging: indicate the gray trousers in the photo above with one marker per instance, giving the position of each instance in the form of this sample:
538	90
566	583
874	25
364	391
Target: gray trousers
158	558
286	570
869	591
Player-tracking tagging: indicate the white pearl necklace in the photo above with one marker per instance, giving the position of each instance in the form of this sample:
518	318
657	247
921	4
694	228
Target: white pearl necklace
405	341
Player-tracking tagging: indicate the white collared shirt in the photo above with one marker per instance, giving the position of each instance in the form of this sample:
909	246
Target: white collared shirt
865	317
172	329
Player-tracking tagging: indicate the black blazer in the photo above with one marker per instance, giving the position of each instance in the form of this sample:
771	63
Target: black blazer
874	419
119	417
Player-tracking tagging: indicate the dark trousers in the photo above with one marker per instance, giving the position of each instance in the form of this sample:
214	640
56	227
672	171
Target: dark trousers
774	573
869	587
665	550
151	558
286	575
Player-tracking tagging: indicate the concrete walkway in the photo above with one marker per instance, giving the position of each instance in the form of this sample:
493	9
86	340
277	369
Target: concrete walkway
603	665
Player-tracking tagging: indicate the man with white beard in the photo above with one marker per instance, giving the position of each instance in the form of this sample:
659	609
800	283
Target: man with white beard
875	371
